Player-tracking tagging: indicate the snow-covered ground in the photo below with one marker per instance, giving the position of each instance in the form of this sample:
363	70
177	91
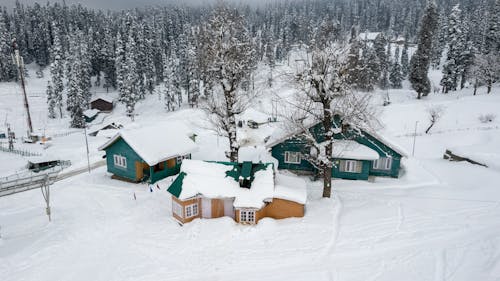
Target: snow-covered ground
439	221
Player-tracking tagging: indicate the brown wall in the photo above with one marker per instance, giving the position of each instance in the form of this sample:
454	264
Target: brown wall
101	105
281	208
278	209
184	204
217	208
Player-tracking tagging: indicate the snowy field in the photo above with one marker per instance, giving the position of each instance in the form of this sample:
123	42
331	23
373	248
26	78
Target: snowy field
439	221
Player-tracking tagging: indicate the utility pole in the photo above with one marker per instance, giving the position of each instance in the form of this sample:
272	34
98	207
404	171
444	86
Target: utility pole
18	60
86	144
414	139
45	187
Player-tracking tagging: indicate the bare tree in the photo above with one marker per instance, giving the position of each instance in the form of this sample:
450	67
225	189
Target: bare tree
229	58
435	114
323	91
485	71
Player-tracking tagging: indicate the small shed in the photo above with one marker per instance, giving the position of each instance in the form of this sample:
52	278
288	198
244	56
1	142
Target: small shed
148	153
90	115
246	192
103	104
113	126
37	164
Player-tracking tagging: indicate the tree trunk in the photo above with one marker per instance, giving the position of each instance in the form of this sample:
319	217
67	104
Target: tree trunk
231	125
475	87
419	95
489	87
429	128
327	167
327	181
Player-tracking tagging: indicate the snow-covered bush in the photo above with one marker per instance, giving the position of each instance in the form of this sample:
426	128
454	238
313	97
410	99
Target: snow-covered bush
487	118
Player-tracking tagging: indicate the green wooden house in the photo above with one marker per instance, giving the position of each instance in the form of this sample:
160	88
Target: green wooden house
357	154
149	153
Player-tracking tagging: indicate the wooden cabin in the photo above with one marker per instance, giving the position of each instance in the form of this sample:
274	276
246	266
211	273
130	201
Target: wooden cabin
357	153
149	153
103	104
246	192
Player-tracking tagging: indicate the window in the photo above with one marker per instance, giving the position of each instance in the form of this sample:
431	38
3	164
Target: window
177	209
191	210
247	216
292	157
180	158
120	161
349	166
382	163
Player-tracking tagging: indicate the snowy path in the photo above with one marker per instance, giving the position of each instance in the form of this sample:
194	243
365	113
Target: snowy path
359	234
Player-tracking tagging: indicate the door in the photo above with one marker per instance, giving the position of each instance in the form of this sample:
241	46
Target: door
228	208
139	174
206	208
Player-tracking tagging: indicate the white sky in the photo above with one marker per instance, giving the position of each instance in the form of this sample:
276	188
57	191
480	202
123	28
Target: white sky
122	4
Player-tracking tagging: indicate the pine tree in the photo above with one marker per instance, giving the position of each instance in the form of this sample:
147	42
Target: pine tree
7	68
169	93
131	92
453	66
379	45
57	69
439	41
420	61
492	36
120	63
404	59
51	100
396	77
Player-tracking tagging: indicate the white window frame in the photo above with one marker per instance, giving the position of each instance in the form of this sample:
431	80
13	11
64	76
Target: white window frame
247	216
179	159
177	209
383	163
349	166
296	155
120	161
191	210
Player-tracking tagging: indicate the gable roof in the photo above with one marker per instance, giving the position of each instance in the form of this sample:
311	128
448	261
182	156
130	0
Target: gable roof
104	98
349	149
155	144
282	135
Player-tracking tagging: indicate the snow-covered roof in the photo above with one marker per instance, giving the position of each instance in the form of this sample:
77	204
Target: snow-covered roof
210	180
350	149
107	133
370	36
281	134
104	98
255	154
89	113
155	144
290	188
42	159
388	142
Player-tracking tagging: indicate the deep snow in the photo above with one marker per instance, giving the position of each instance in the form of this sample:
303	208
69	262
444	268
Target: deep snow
439	221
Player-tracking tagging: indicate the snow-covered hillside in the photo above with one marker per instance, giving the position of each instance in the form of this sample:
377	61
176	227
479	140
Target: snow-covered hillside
439	221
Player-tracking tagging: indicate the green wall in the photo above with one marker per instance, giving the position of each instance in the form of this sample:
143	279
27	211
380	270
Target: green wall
297	145
120	147
365	170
